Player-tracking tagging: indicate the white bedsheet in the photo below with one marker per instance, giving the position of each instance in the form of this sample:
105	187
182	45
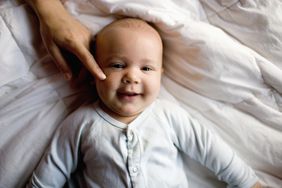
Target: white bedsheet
223	64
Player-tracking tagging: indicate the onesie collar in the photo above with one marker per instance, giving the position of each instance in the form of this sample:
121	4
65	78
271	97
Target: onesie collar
139	119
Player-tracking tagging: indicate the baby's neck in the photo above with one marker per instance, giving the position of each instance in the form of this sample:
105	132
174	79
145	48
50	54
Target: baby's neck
116	116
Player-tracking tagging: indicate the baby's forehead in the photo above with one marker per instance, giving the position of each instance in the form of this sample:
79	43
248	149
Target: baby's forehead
128	23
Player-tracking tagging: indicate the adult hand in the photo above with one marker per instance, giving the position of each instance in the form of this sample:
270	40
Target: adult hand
59	30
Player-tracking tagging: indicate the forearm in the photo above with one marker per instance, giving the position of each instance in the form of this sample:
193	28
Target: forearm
45	9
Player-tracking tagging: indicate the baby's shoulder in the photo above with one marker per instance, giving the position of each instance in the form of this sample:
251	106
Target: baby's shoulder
168	105
86	112
79	120
169	108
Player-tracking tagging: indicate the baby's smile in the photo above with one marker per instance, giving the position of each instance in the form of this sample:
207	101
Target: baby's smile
128	96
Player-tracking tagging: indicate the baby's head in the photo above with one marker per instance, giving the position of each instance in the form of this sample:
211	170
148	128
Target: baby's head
129	51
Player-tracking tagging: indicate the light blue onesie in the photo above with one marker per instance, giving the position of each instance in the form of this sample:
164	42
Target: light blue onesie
143	154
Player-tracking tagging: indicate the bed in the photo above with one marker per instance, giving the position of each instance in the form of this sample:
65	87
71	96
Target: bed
222	61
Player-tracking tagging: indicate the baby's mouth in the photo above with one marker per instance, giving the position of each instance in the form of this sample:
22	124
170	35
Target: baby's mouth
128	96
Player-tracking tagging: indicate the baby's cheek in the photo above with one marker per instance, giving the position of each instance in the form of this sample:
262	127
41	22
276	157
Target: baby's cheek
155	85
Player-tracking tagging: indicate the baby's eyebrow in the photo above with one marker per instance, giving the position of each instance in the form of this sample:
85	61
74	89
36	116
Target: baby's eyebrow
116	57
143	62
147	61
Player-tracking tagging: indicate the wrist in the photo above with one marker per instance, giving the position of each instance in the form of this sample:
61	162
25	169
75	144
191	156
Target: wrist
47	8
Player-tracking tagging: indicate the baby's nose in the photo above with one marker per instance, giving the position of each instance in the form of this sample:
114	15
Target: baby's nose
131	77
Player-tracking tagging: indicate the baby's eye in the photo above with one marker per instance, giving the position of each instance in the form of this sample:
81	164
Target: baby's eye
118	65
147	68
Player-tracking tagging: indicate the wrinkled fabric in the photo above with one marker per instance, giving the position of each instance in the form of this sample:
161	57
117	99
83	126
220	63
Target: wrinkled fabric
222	63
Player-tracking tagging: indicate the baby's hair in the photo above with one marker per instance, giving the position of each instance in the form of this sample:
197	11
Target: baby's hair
134	23
131	23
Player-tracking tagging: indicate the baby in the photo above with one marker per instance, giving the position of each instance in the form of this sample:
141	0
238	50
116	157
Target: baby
129	138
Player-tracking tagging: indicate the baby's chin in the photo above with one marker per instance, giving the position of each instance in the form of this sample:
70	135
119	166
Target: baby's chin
129	112
124	114
127	115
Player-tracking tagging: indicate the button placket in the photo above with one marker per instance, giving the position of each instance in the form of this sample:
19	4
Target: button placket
133	153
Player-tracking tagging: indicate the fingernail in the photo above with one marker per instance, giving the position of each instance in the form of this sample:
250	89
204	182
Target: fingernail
102	76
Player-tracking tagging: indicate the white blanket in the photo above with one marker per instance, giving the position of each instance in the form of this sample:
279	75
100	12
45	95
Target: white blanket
223	64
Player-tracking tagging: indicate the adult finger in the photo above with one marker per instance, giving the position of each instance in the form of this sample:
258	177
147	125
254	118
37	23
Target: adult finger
60	61
88	61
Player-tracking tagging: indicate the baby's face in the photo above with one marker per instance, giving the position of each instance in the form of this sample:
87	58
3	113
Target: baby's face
132	62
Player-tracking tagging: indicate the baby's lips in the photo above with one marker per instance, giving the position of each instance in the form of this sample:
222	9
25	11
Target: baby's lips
128	93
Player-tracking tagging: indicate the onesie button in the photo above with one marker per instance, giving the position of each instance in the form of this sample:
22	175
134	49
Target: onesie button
135	169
